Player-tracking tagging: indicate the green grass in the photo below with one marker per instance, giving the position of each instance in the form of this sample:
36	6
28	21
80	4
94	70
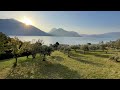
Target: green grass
92	65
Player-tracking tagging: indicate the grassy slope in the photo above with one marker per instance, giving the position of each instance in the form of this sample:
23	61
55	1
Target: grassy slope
59	66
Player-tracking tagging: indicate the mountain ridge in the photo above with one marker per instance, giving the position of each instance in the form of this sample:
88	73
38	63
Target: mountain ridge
62	32
108	34
14	27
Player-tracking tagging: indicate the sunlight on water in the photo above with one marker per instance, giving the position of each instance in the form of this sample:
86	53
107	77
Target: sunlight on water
65	40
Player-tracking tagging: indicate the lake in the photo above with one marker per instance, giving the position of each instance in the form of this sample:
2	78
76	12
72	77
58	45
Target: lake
67	40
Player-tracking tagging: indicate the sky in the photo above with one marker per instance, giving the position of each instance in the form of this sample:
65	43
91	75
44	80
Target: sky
83	22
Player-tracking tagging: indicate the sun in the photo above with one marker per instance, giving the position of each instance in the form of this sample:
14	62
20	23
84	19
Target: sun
27	21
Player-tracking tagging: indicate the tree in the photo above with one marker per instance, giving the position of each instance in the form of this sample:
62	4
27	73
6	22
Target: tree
25	49
103	47
16	45
89	44
4	42
67	49
117	44
93	47
75	47
85	48
36	48
50	50
56	45
61	48
45	50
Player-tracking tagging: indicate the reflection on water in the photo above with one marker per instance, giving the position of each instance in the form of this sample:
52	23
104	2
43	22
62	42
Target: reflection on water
65	40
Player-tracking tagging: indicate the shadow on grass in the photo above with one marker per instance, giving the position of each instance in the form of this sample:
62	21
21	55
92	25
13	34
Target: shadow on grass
57	58
103	56
81	52
98	55
95	54
86	61
6	60
11	71
76	55
54	71
44	70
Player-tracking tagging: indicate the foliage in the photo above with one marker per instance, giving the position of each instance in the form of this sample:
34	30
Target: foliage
85	48
45	50
16	45
3	42
93	47
75	47
56	46
36	48
68	49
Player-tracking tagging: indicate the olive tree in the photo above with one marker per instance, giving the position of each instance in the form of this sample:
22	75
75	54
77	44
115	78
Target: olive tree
67	49
16	45
45	50
36	48
4	42
75	47
26	49
85	48
56	45
93	47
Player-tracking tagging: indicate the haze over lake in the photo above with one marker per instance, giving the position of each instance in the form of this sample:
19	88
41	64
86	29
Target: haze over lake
67	40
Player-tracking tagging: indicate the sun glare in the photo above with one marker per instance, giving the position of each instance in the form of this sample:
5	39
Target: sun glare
27	21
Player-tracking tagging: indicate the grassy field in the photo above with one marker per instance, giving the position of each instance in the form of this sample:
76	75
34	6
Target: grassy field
92	65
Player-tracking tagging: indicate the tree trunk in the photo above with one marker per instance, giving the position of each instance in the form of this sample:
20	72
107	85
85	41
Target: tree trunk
49	54
27	57
84	52
75	50
68	54
106	51
33	56
44	57
16	60
15	64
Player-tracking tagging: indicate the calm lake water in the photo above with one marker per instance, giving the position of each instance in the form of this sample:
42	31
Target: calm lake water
66	40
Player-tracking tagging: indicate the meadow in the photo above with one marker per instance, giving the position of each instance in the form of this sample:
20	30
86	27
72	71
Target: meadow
92	65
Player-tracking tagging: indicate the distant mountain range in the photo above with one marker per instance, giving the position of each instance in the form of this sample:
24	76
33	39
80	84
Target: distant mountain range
14	27
62	32
109	34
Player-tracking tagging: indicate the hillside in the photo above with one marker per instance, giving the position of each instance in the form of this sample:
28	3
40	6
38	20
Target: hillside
14	27
62	32
92	65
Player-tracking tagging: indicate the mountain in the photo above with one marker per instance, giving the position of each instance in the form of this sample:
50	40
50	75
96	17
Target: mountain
109	34
14	27
62	32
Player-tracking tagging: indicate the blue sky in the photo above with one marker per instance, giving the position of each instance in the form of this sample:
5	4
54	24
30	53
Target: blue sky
83	22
